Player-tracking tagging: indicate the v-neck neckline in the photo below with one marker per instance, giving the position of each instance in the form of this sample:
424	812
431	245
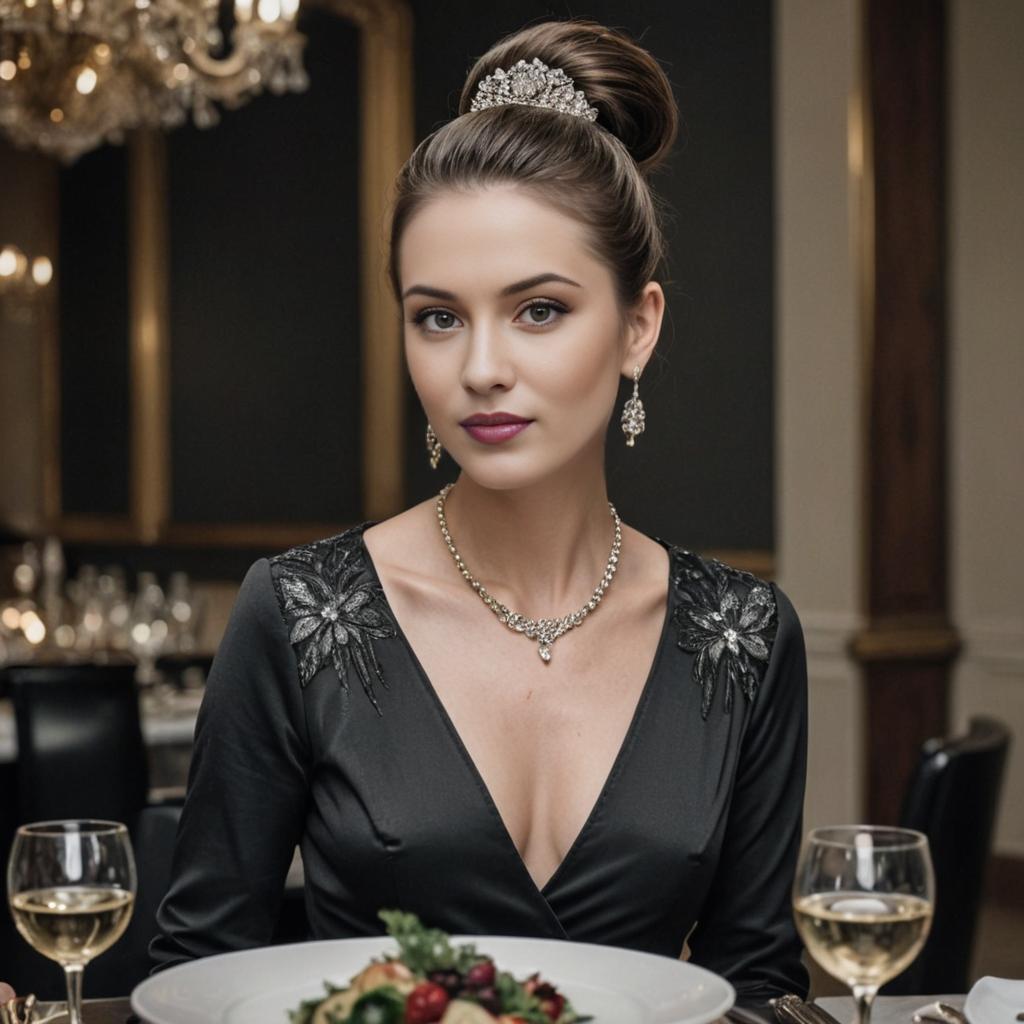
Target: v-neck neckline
617	764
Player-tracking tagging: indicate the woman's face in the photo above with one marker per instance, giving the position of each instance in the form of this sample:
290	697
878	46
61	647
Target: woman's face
506	310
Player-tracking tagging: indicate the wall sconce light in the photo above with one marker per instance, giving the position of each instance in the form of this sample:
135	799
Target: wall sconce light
21	281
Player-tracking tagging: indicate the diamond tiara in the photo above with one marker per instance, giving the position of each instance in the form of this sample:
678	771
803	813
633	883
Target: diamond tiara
533	85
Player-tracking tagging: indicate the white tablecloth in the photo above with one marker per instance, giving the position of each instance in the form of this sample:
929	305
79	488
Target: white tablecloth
886	1009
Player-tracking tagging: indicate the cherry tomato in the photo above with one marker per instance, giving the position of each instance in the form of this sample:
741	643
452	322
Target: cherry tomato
426	1004
480	975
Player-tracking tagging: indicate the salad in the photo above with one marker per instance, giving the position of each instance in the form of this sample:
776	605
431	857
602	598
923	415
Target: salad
429	980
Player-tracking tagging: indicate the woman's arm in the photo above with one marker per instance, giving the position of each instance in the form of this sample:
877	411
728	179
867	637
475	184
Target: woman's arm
746	931
247	789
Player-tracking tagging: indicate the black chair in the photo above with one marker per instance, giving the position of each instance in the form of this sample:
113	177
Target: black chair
953	797
80	747
80	755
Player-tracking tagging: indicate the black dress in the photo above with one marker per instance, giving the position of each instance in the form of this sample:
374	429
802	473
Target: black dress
320	728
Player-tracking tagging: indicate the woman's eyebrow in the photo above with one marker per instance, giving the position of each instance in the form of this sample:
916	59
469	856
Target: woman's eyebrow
532	282
433	293
512	289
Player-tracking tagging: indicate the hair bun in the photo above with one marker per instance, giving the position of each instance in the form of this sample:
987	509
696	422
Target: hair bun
621	79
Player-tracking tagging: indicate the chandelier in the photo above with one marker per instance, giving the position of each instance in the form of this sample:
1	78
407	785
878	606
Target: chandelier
77	73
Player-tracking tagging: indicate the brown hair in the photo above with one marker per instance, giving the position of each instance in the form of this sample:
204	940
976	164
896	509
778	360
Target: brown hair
595	172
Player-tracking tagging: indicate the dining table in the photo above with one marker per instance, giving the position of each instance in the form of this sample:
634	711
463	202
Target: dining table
887	1009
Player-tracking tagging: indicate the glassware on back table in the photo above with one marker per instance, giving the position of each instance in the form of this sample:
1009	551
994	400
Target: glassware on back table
181	619
147	627
71	889
863	898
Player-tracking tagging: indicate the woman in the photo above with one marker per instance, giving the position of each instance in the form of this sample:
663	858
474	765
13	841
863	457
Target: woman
629	771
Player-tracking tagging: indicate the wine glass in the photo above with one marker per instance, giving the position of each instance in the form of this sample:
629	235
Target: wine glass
71	888
863	898
147	627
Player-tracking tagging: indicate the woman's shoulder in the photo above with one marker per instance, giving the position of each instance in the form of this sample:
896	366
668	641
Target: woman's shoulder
310	578
731	620
332	605
697	577
323	555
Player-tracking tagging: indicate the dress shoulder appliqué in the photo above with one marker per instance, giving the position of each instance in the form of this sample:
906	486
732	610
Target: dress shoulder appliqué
726	617
333	609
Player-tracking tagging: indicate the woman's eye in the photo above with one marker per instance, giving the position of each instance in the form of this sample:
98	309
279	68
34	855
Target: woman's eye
436	320
541	313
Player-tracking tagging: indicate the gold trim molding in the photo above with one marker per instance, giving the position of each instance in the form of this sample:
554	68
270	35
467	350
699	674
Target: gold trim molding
906	639
386	139
99	529
272	536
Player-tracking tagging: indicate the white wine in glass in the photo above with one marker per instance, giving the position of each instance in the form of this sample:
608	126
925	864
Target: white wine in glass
71	888
863	898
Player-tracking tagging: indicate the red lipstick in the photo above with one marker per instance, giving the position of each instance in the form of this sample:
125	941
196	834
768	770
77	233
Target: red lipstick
494	427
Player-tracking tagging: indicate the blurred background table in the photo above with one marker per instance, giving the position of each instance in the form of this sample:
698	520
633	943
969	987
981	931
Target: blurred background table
168	718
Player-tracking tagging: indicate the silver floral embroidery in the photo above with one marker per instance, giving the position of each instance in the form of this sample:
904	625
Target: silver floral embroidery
334	610
729	631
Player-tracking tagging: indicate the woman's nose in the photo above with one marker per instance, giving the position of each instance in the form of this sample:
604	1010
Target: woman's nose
486	365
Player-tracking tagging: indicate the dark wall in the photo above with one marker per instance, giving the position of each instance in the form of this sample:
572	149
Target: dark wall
95	410
264	283
264	304
701	474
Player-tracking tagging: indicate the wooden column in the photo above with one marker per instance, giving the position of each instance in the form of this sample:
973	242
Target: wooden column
150	338
908	647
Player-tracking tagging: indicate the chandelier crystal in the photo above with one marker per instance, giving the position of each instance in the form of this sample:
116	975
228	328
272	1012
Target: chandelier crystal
77	73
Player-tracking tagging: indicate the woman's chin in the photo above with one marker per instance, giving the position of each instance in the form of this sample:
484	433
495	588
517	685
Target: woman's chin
507	473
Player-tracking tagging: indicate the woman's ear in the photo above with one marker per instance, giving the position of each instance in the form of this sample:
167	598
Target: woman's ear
643	325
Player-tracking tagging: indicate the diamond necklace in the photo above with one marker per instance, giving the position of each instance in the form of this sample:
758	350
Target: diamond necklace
544	631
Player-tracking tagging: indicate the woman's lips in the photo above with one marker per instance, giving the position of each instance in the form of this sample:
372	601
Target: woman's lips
497	432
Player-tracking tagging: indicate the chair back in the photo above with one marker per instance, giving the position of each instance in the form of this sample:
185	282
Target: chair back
80	747
127	962
953	797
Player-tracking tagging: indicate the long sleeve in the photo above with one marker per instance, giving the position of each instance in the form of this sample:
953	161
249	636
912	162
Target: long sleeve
247	789
746	931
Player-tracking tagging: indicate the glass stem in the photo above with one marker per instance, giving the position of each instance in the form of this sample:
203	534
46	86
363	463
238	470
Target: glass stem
73	973
863	997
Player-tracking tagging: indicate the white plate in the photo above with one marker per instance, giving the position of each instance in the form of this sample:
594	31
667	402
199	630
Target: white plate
995	1001
259	986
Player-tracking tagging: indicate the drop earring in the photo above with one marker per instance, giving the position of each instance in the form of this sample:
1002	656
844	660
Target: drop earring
433	447
633	412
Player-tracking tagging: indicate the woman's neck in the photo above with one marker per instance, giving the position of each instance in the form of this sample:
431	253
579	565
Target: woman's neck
541	549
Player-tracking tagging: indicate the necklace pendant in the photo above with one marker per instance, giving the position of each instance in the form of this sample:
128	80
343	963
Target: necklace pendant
544	650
